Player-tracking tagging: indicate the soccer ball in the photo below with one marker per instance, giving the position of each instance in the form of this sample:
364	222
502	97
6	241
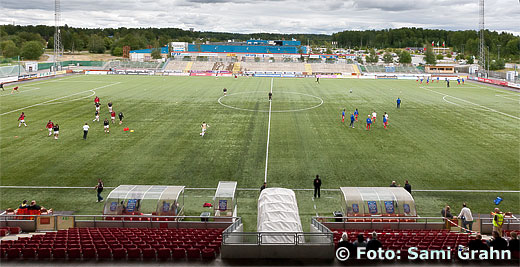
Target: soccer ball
351	91
200	133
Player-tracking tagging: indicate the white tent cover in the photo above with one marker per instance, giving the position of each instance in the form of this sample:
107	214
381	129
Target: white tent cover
278	212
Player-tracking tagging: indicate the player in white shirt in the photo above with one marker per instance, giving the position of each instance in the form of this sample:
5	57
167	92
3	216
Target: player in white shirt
204	127
85	130
97	116
374	115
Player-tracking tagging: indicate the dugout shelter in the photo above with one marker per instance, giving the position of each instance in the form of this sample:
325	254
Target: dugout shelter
158	200
224	201
377	201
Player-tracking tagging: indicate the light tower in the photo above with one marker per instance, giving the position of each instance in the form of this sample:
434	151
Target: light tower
482	47
57	35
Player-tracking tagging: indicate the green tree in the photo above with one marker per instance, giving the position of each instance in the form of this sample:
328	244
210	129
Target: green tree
359	59
50	43
497	64
388	58
9	49
439	57
372	57
470	60
108	42
405	58
430	56
96	44
32	50
156	53
117	51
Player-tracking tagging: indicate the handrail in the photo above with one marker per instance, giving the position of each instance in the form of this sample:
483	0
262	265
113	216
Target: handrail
7	216
296	238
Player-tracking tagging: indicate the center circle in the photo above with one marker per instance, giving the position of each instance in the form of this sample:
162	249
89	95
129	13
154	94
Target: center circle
274	101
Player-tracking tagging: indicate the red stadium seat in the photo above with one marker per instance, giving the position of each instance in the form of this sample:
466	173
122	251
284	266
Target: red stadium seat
149	254
59	253
29	253
104	254
179	253
164	254
44	253
74	253
134	253
208	254
193	253
119	253
13	253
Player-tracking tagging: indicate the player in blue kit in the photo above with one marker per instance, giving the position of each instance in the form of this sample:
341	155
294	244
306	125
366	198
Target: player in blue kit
356	113
385	120
398	102
458	81
343	116
352	119
369	122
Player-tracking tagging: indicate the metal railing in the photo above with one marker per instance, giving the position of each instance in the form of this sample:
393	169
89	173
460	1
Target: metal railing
276	238
319	226
234	226
117	220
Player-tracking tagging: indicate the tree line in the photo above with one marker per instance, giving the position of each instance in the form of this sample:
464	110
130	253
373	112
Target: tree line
465	42
29	41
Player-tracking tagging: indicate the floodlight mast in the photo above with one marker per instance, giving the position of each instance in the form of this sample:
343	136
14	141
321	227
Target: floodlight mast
482	47
57	35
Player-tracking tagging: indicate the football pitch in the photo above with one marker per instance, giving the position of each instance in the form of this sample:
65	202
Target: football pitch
460	138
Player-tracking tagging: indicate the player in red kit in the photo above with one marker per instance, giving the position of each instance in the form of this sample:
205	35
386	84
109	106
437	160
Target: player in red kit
15	89
22	120
49	127
113	117
96	100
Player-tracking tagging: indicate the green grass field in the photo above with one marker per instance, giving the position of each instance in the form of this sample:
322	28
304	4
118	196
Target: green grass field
466	140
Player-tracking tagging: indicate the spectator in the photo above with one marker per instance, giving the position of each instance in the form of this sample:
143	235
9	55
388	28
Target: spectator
374	244
393	184
34	206
99	188
477	244
446	213
466	217
498	243
407	187
317	186
23	205
360	242
263	187
514	243
344	243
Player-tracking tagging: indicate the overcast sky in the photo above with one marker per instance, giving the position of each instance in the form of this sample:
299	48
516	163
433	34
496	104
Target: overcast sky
277	16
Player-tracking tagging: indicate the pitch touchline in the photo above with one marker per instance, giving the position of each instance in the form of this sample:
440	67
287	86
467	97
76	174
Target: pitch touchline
256	189
268	133
48	101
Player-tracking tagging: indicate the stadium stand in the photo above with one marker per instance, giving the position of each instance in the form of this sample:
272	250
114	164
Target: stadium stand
116	244
332	68
201	66
175	65
117	64
405	239
275	66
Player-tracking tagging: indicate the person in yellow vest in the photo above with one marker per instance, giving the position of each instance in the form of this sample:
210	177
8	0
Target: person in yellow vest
498	220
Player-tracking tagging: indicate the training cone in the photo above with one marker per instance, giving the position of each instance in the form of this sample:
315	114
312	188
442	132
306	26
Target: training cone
126	129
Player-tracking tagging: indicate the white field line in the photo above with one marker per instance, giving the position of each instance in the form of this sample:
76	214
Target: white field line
444	98
268	133
24	91
258	189
49	101
496	90
516	100
475	104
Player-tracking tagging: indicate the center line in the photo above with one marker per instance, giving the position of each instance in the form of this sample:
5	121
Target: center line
268	133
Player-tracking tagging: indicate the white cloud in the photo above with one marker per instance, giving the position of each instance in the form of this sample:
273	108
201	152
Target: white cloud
284	16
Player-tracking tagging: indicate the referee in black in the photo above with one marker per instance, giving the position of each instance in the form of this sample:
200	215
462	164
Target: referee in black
270	96
317	186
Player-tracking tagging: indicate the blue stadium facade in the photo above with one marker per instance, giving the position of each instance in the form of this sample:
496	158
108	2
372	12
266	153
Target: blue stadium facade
249	47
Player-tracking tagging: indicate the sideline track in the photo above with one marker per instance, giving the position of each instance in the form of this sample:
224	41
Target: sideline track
256	189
